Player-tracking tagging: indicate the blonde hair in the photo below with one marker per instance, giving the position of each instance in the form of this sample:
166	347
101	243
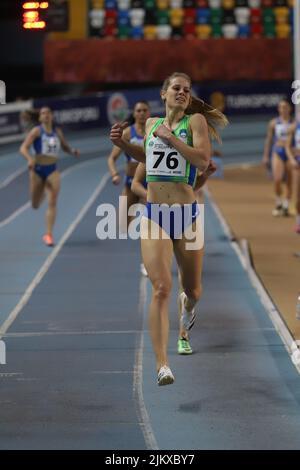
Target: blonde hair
213	116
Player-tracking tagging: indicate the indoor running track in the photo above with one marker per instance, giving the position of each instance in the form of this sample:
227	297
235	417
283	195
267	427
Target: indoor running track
80	371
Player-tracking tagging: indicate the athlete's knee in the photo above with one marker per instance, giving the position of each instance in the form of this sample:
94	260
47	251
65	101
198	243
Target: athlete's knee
35	204
52	202
162	289
193	293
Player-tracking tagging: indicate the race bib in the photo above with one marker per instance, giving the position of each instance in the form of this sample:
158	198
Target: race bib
50	145
163	160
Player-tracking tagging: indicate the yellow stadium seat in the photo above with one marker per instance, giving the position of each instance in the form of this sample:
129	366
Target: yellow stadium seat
98	4
150	32
283	30
281	15
176	21
162	4
228	4
203	31
176	12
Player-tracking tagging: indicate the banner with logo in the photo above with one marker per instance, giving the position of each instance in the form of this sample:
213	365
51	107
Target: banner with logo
12	125
77	113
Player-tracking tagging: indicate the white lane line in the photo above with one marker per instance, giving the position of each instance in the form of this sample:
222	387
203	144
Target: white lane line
244	258
49	260
143	417
68	333
27	205
130	372
15	214
12	177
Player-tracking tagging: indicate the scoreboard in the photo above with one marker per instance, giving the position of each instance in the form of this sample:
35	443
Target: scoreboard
49	16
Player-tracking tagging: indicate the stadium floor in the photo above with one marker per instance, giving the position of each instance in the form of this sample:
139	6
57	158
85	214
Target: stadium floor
80	370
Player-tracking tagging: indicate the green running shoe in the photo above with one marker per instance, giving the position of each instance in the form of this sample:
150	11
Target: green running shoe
184	347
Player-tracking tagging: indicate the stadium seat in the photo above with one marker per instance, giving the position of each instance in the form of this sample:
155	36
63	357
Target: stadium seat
97	4
123	4
228	4
255	15
189	4
216	16
214	3
174	4
217	31
228	17
254	3
256	30
150	17
230	31
110	31
137	4
123	18
202	4
124	32
189	16
137	32
137	16
267	3
162	17
176	17
281	15
203	16
150	32
162	4
282	30
243	31
164	31
242	15
189	30
269	31
97	18
111	5
203	31
280	3
149	4
268	15
177	32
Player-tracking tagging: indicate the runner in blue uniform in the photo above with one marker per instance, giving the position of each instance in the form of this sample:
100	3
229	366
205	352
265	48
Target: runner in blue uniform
275	148
135	135
46	140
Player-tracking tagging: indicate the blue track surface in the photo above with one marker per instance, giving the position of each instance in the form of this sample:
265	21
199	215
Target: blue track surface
80	370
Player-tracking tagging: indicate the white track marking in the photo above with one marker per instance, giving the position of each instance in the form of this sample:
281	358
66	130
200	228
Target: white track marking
49	260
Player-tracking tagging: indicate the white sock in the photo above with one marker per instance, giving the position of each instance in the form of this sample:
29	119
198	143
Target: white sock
298	219
285	203
278	201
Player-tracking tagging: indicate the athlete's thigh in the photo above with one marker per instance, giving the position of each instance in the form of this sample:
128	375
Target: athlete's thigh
53	184
37	185
189	263
157	254
278	167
